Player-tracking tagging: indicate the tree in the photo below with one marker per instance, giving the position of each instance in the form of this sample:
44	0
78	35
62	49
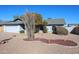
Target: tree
29	22
45	23
38	19
39	23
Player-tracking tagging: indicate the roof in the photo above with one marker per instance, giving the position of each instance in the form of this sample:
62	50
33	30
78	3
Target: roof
56	21
50	22
11	23
74	24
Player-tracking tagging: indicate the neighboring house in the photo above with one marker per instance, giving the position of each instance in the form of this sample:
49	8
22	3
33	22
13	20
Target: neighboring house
17	25
54	22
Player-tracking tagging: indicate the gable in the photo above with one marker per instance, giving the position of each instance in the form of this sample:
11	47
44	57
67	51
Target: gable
17	19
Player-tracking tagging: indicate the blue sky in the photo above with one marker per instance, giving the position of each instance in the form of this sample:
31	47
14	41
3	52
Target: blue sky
69	13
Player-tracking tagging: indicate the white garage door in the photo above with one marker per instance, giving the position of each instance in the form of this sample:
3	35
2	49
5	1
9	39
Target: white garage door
13	29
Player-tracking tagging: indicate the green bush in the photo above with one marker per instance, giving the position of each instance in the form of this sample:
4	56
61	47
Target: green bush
44	29
36	30
60	31
75	30
22	31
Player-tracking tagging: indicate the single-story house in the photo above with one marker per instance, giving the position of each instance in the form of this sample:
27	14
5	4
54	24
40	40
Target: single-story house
17	25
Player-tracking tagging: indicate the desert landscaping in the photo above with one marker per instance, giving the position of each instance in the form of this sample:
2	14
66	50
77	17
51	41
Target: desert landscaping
33	33
17	44
29	34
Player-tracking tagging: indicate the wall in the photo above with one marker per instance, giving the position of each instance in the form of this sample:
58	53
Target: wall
1	28
49	28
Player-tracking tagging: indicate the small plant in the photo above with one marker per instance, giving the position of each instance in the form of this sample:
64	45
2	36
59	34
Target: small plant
36	30
44	29
22	31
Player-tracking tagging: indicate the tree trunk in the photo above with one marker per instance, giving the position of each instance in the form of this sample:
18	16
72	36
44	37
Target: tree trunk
29	23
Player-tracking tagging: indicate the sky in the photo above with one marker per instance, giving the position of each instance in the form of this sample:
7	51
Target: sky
69	12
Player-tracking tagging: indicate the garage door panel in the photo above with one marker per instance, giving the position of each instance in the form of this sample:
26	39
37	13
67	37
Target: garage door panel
14	29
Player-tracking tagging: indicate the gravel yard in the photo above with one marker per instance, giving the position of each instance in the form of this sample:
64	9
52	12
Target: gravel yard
16	44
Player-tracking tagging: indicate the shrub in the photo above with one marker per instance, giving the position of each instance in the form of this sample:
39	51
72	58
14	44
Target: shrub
44	29
75	30
60	30
36	29
54	29
22	31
